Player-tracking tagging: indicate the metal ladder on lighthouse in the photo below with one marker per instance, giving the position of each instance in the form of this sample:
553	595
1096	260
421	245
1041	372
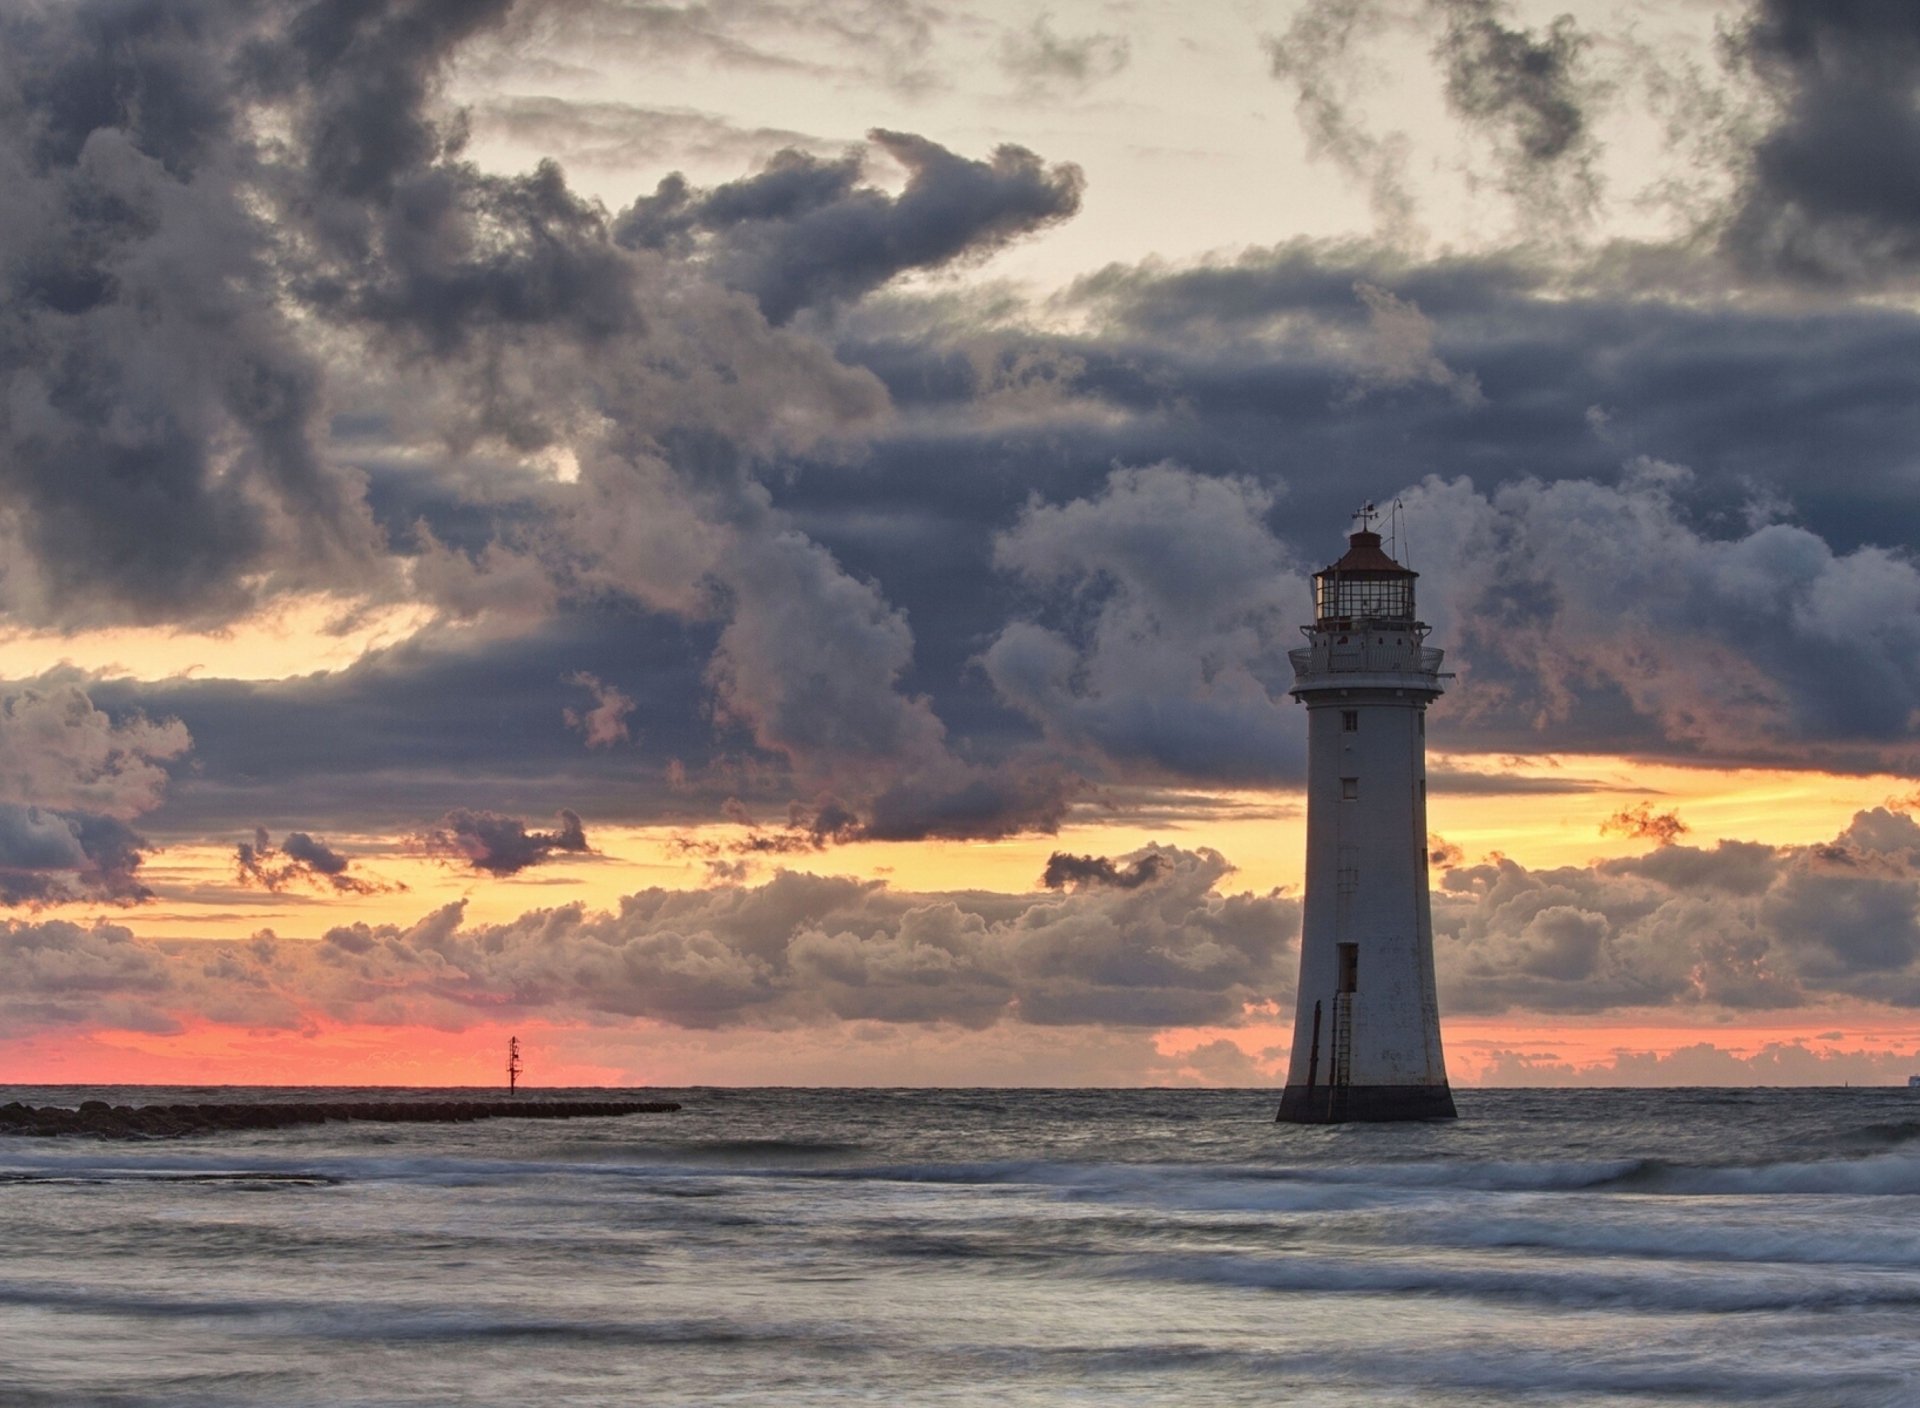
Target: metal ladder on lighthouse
1340	1076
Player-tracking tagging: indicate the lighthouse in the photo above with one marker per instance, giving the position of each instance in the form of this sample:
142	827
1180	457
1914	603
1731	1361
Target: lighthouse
1366	1030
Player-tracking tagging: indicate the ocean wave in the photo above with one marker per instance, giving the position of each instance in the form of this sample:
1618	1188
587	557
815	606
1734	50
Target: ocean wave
1884	1175
376	1322
1574	1283
1738	1240
1528	1375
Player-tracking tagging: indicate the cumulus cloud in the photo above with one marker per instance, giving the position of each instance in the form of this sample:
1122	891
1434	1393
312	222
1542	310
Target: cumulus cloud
57	750
1174	607
1703	1063
810	662
1740	925
502	845
1146	940
1560	599
300	860
798	950
70	779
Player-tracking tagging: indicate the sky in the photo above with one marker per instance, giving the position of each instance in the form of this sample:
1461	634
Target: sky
756	541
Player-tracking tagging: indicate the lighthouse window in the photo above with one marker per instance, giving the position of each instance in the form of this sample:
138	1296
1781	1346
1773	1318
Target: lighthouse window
1349	789
1349	967
1349	721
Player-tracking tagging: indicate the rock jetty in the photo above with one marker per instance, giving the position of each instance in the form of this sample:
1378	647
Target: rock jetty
104	1121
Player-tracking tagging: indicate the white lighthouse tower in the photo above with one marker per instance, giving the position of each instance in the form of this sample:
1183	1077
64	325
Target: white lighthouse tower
1366	1033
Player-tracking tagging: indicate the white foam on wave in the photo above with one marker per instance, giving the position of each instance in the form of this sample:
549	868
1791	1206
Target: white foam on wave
1879	1175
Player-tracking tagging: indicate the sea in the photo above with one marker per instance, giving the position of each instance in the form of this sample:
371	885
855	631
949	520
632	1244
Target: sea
795	1246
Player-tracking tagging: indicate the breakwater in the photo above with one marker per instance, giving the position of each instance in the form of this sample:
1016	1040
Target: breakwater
104	1121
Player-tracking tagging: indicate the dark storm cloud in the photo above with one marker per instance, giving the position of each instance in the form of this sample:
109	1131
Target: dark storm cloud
810	665
298	860
50	857
157	440
809	232
1527	89
1624	604
230	219
502	845
422	730
367	71
983	616
1646	523
1833	194
1065	870
798	950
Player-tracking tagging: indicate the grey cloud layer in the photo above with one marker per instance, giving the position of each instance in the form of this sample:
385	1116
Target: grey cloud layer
797	950
1834	190
1740	925
1147	941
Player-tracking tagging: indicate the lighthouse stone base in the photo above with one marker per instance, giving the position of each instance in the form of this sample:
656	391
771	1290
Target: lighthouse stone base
1365	1104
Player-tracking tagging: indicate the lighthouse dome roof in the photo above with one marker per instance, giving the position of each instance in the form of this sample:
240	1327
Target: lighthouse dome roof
1364	556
